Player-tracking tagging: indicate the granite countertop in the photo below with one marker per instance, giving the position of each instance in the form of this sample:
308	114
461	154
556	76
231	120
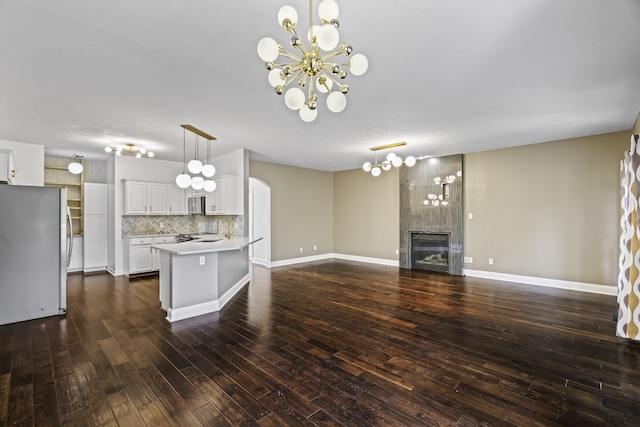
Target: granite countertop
206	243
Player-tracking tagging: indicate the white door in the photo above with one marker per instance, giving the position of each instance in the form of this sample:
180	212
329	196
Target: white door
156	198
260	221
136	198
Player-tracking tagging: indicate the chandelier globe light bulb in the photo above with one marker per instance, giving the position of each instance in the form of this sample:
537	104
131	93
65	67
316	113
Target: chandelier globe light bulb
396	161
336	102
268	49
197	183
287	12
376	171
294	98
194	166
307	114
209	185
328	10
208	170
410	161
367	167
183	180
359	64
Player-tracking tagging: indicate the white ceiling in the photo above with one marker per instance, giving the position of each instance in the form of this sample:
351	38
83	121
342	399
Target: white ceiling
446	76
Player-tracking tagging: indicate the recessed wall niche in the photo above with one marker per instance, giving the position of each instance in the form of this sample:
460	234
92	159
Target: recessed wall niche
431	202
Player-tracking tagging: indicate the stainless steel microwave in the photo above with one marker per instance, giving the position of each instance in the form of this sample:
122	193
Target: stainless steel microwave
196	205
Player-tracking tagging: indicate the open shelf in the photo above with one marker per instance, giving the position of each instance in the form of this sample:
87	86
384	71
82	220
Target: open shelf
56	174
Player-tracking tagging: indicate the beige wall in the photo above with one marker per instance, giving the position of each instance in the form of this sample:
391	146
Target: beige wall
546	210
301	209
636	127
366	214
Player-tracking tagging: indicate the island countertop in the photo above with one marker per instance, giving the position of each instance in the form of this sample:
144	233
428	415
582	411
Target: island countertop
211	243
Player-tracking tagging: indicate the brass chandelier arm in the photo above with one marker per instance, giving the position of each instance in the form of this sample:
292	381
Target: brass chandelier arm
290	56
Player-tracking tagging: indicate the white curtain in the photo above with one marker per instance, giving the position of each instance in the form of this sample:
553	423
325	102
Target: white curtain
629	272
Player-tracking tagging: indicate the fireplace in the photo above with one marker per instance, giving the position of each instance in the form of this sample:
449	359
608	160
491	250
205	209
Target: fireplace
430	251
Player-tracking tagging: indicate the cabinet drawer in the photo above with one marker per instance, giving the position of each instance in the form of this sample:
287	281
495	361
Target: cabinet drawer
168	239
141	241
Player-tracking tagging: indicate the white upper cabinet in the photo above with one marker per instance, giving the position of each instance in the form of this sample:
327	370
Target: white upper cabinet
157	198
7	167
145	198
227	199
176	200
95	199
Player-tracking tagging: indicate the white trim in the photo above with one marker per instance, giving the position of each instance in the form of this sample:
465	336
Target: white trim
300	260
383	261
175	314
542	281
224	299
322	257
261	262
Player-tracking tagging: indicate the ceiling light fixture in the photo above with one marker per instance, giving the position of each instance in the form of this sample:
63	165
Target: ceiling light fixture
129	150
392	160
195	166
76	167
311	67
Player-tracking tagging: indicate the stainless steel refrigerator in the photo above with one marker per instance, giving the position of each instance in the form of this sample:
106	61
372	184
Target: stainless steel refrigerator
35	249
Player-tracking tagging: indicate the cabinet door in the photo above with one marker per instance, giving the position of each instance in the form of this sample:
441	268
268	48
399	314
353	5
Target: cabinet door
215	200
95	199
177	200
140	258
95	242
135	202
156	198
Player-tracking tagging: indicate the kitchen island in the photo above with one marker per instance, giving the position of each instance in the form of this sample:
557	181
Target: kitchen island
200	276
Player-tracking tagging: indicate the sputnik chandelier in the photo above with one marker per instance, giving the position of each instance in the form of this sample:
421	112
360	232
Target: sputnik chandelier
202	172
130	150
311	67
392	160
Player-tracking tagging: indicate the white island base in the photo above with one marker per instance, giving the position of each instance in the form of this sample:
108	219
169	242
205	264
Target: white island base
200	277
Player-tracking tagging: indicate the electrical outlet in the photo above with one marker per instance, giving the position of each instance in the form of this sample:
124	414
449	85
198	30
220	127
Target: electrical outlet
161	225
315	247
300	250
235	225
397	251
470	260
466	260
202	260
470	215
490	261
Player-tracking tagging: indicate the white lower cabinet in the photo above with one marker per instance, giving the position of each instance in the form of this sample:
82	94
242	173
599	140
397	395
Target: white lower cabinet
140	257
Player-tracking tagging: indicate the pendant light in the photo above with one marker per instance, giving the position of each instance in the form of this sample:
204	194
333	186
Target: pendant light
183	180
195	165
76	167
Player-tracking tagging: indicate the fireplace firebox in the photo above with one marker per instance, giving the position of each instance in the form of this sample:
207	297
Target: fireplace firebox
430	251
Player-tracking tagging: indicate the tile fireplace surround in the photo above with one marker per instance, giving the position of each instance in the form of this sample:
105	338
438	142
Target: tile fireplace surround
416	184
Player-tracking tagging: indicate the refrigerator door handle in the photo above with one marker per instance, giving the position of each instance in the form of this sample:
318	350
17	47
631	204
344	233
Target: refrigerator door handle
70	240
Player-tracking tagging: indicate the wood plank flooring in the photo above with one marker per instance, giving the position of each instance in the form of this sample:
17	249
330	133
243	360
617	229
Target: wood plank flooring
331	343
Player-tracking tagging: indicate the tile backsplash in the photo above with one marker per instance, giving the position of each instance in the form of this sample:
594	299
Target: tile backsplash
133	225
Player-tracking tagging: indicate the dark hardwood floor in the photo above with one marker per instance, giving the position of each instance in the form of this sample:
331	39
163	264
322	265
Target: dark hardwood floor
330	343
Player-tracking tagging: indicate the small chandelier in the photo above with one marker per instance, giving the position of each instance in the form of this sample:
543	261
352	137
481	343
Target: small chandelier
195	166
129	150
76	167
392	160
311	67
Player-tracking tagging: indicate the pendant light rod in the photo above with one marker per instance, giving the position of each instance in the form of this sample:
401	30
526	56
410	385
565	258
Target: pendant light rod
199	132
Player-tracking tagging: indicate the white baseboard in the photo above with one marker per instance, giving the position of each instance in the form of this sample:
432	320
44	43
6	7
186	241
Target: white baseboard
541	281
528	280
175	314
292	261
382	261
